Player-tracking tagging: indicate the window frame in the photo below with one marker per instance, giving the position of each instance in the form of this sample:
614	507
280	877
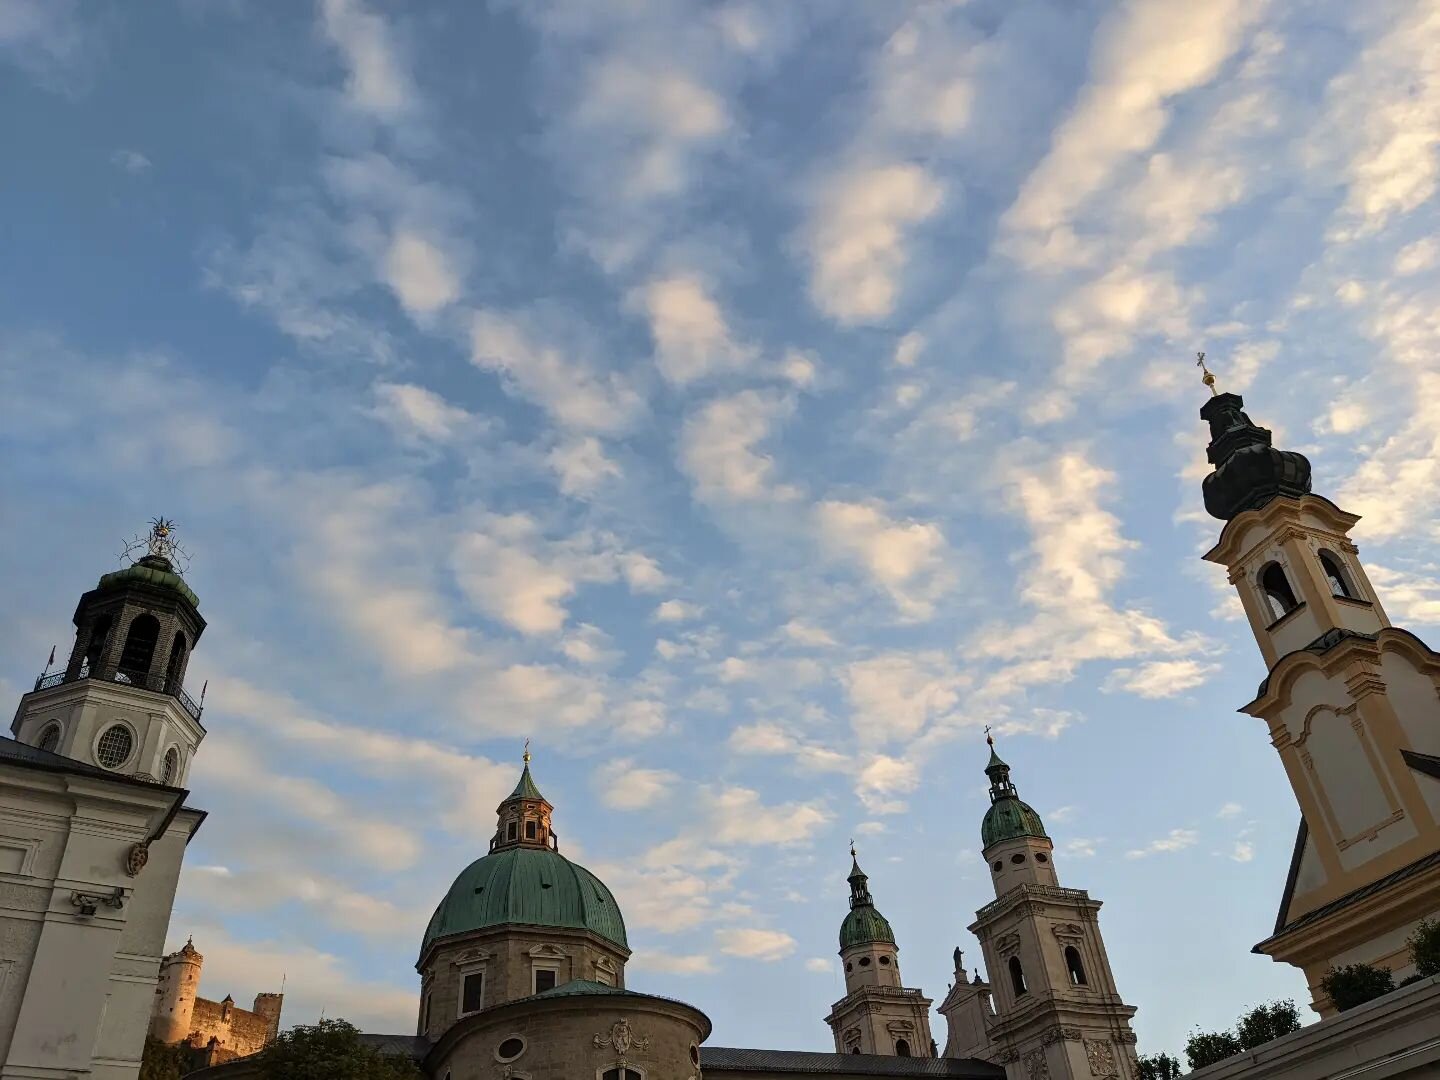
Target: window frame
51	725
119	722
467	973
1275	605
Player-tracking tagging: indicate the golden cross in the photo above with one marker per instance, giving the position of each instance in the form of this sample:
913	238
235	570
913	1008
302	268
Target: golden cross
988	739
1208	378
527	751
852	848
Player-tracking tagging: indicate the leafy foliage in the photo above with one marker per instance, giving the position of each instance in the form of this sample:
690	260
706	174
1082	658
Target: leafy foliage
1159	1067
1355	984
1265	1023
1255	1028
1207	1047
1425	948
161	1061
330	1050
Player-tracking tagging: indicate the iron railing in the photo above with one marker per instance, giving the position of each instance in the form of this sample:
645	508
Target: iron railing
159	684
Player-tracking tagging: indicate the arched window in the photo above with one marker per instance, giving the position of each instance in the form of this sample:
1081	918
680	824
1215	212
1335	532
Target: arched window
175	670
1278	593
1074	966
1017	976
855	1049
99	638
622	1072
170	769
50	737
1335	576
139	647
902	1048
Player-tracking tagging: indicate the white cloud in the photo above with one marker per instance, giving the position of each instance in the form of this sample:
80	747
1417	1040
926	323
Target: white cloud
908	349
857	234
820	965
417	414
582	466
1079	847
564	385
674	611
1175	840
378	82
894	697
882	778
692	337
908	559
753	943
803	633
767	737
1061	813
1145	55
419	274
736	815
1161	678
1408	597
718	448
624	785
673	963
1229	810
1244	851
130	161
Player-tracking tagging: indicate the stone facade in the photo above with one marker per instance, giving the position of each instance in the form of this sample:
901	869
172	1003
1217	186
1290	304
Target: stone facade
507	959
578	1038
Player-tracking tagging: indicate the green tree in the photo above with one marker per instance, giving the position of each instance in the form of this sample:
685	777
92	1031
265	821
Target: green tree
1266	1022
330	1050
1207	1047
1159	1067
1355	984
1425	948
161	1061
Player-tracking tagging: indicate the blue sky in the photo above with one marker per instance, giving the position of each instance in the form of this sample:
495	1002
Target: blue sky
748	403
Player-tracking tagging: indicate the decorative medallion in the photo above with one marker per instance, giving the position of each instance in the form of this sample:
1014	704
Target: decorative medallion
1036	1067
622	1038
137	857
1101	1056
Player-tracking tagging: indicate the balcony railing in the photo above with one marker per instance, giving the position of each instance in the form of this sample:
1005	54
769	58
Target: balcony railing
159	684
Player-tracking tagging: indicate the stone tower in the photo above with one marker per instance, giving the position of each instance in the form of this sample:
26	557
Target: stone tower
120	702
1058	1015
877	1015
1351	703
175	994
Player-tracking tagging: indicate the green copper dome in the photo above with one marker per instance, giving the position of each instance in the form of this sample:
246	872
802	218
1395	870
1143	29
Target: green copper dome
529	886
863	924
1008	817
151	570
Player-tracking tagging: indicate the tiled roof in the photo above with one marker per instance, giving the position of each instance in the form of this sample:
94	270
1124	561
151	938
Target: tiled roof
20	753
411	1046
727	1059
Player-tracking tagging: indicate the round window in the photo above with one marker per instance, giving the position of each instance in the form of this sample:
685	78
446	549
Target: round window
998	866
884	961
1017	859
849	966
114	747
694	1055
864	961
1040	857
510	1049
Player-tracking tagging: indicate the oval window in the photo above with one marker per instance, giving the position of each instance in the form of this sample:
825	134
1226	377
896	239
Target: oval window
1017	859
849	966
884	961
511	1048
694	1055
864	961
1040	857
998	866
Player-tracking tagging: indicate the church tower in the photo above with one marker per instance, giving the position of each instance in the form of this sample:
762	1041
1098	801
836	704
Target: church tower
877	1015
1058	1014
1352	705
120	701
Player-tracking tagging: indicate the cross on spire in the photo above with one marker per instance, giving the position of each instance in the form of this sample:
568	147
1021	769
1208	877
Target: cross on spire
526	755
1208	378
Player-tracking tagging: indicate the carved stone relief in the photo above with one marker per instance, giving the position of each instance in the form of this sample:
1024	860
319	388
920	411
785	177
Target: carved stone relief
1036	1067
1059	1034
1101	1056
622	1038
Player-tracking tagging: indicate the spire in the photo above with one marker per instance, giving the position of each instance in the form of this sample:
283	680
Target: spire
864	923
1007	817
859	883
1249	472
998	772
524	816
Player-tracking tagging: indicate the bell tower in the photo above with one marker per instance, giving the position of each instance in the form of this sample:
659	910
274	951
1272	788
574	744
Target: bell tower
877	1015
120	701
1057	1013
1351	704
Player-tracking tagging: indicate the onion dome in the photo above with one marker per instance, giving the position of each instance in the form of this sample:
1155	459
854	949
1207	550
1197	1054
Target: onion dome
525	881
1249	472
863	924
1008	817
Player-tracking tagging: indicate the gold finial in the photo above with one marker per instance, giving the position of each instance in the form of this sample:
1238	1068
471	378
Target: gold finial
989	738
526	755
1208	378
852	849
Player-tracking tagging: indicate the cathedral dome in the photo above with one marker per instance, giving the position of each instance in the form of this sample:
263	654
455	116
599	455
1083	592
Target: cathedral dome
531	887
152	570
1009	818
863	925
